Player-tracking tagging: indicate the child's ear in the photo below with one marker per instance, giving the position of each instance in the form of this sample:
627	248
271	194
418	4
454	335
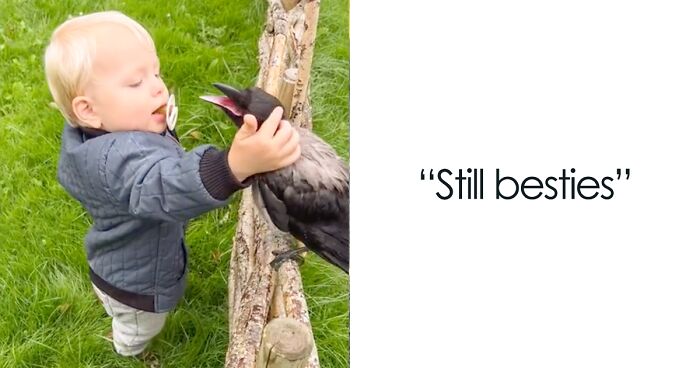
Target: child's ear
83	110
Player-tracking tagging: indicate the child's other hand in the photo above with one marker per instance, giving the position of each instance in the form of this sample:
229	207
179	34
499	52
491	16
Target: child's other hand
274	146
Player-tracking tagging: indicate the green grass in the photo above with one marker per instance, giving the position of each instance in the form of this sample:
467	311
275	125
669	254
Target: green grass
48	314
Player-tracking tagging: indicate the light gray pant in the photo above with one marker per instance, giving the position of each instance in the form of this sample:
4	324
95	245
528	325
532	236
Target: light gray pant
132	329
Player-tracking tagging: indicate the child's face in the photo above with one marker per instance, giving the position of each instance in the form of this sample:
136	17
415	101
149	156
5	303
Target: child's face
125	88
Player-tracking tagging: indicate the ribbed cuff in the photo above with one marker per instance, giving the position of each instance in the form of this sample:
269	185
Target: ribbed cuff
216	175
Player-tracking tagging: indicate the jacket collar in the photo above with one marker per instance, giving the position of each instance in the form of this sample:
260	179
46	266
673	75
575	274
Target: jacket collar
89	133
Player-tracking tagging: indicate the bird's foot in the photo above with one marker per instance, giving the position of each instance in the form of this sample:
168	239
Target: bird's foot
283	256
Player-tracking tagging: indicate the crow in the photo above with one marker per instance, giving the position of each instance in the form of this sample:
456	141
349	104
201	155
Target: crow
308	199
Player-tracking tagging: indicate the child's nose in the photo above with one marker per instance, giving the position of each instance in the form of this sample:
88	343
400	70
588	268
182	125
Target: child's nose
158	87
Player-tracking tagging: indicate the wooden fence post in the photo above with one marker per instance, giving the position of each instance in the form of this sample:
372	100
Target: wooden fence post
257	293
286	343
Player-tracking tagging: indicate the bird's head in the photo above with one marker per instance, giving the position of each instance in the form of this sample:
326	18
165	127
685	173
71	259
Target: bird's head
237	103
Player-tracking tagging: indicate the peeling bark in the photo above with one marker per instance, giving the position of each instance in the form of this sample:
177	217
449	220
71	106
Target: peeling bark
257	293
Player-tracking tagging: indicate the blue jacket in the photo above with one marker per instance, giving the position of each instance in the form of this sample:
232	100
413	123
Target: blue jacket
140	189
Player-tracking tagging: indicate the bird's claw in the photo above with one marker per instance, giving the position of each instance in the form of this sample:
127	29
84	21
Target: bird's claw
283	256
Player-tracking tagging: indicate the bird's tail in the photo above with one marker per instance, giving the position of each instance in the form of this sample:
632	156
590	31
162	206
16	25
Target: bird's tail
329	241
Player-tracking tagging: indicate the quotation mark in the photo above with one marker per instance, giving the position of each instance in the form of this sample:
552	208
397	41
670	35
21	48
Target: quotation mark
619	173
422	174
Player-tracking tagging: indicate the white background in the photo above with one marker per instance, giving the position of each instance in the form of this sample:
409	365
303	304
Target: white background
531	88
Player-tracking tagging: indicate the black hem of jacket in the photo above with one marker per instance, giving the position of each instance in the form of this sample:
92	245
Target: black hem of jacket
216	175
134	300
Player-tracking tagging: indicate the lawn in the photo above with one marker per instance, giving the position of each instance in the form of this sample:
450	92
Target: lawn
49	316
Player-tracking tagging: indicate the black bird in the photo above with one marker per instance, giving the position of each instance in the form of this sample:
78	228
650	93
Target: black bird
308	199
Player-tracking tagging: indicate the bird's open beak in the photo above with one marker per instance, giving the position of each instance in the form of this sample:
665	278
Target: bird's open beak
229	102
230	92
224	103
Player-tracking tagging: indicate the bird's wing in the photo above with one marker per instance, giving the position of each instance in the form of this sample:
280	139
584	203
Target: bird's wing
274	207
287	197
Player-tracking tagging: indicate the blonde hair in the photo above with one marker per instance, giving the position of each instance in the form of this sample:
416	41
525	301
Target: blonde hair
69	57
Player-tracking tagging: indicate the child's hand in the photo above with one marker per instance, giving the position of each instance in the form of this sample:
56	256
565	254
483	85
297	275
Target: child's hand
274	146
